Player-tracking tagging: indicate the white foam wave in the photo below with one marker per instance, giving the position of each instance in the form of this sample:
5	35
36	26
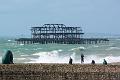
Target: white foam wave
113	48
96	46
99	59
37	48
78	48
54	52
60	50
9	40
50	57
21	44
20	58
53	57
24	55
117	39
0	59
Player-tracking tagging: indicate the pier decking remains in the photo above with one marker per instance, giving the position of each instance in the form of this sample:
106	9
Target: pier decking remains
59	33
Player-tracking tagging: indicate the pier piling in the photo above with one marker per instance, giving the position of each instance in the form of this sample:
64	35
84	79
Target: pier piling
59	33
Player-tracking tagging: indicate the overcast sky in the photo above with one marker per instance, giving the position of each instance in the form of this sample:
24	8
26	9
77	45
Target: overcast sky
95	16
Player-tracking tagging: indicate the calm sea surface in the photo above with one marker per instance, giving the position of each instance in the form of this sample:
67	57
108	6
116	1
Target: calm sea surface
60	53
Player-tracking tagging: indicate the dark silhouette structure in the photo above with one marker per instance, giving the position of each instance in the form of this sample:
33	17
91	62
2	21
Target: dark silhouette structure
70	60
82	58
8	58
59	33
105	62
93	62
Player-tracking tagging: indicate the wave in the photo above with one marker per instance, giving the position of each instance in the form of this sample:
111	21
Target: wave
78	48
21	44
113	48
96	46
9	40
24	55
19	58
54	52
53	57
98	59
0	59
117	39
50	57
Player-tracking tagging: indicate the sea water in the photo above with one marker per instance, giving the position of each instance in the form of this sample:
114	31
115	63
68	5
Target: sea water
60	53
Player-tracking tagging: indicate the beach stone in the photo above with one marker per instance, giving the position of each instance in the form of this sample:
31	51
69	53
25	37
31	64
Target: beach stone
7	58
59	72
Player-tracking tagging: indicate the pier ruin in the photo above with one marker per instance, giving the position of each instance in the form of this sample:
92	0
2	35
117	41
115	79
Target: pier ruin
59	33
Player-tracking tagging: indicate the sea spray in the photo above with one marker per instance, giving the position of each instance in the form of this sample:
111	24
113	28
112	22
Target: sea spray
60	53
